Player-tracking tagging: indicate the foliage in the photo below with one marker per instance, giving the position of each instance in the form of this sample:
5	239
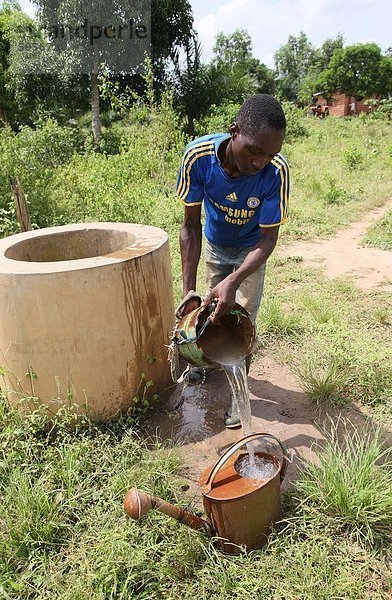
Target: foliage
64	534
353	158
276	321
380	109
310	83
358	70
195	85
218	119
380	234
351	485
233	54
32	155
295	123
322	382
12	20
292	63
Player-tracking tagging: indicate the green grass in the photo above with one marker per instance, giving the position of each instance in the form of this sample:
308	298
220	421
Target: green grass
341	352
336	174
350	486
380	234
64	534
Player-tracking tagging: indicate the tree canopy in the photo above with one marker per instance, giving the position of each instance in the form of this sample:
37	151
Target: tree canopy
359	70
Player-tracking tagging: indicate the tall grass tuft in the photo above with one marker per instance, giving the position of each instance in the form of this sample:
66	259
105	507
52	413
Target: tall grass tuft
351	485
275	320
323	382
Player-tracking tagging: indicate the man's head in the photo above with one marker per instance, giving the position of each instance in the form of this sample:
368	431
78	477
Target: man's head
258	133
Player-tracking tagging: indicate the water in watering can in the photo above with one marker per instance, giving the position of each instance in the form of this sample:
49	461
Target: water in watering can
238	380
256	467
251	465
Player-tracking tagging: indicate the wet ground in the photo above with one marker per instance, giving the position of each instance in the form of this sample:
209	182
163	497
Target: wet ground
192	418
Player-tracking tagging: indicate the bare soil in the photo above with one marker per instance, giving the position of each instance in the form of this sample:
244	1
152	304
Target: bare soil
342	254
192	416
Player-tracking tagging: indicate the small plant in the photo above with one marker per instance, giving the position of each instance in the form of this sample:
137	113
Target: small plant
351	484
274	320
382	316
323	382
321	311
334	193
353	158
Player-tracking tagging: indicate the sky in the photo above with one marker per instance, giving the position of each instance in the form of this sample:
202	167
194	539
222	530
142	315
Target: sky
270	22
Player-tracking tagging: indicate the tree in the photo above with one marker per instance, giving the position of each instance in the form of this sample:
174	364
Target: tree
231	76
233	55
310	84
83	51
325	52
359	70
292	62
11	19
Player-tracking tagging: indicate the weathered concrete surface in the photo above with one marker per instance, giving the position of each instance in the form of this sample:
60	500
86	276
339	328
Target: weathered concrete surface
86	309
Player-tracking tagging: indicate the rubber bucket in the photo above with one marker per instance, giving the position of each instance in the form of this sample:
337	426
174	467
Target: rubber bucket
204	342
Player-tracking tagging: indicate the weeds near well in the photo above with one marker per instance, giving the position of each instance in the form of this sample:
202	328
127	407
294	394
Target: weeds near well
351	485
322	382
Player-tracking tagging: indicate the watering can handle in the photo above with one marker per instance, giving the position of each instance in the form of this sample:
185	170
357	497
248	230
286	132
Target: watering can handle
233	449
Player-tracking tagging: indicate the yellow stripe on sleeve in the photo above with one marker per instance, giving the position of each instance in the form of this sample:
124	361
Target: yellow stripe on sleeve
182	193
186	160
281	164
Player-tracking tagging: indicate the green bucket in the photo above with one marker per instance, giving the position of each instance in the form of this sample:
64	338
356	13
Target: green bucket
204	342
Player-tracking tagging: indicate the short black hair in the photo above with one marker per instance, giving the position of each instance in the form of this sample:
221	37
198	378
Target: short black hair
261	110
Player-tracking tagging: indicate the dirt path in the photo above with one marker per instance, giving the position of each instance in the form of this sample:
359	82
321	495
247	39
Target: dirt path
342	254
192	417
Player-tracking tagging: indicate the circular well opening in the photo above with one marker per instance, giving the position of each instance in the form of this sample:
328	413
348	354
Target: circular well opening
70	245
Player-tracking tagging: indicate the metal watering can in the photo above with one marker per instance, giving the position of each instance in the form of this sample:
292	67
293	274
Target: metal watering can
203	341
239	510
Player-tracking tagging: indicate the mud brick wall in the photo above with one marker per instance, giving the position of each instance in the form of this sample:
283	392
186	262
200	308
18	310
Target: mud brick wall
339	105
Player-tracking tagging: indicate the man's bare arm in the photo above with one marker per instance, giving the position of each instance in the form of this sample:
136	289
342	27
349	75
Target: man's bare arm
190	246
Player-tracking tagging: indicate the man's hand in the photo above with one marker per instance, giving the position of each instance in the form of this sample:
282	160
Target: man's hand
224	293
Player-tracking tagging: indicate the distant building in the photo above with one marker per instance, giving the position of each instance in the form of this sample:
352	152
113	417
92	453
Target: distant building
340	105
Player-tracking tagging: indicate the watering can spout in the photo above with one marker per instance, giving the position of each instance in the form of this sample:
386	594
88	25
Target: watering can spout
239	510
137	504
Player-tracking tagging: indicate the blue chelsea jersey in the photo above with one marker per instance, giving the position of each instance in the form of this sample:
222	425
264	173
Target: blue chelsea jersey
234	208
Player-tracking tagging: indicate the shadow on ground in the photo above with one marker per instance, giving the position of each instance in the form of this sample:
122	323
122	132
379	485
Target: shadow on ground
191	418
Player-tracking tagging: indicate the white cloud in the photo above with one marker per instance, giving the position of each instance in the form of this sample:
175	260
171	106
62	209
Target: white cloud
27	7
270	22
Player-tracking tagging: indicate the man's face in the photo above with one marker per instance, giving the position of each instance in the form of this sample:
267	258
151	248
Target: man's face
253	154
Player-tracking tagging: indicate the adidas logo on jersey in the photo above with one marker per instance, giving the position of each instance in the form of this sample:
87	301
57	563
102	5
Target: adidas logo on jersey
232	197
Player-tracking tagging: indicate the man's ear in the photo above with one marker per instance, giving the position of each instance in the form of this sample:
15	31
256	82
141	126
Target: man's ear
234	130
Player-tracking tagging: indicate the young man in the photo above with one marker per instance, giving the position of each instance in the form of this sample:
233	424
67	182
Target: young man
243	182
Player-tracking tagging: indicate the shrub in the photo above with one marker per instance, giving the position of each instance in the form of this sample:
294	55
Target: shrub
353	158
323	382
295	122
218	119
33	155
274	320
334	193
351	484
